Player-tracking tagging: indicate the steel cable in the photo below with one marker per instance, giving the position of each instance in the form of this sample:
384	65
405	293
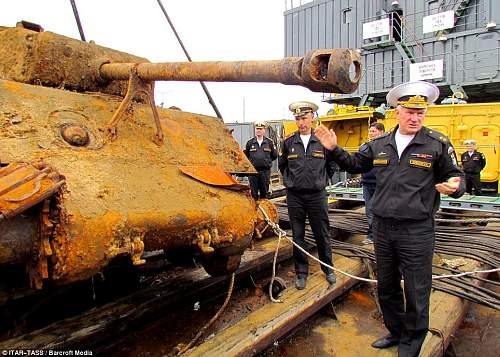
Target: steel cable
478	243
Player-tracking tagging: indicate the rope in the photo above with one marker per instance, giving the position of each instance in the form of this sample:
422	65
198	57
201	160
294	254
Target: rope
281	233
438	277
212	320
469	221
273	277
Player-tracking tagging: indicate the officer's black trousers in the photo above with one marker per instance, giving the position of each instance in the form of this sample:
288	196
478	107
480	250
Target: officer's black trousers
313	205
404	249
260	183
473	181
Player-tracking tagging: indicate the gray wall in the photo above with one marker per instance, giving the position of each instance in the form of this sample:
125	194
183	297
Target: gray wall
471	53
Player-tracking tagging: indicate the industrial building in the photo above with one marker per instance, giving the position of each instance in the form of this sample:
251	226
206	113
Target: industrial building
452	43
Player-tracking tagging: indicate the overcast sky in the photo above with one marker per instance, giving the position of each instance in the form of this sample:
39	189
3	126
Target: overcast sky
211	30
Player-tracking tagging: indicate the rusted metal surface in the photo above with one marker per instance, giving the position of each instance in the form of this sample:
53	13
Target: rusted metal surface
320	71
24	185
262	229
49	59
128	190
264	326
213	175
26	239
100	328
136	86
126	195
54	60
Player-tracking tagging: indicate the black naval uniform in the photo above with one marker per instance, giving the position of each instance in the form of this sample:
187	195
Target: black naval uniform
305	176
262	157
404	205
472	166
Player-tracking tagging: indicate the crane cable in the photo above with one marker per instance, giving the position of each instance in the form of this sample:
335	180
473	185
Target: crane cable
77	18
205	89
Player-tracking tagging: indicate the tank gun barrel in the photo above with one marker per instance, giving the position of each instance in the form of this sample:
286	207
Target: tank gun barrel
333	71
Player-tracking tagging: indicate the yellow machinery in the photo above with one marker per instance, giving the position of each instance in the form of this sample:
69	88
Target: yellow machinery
459	122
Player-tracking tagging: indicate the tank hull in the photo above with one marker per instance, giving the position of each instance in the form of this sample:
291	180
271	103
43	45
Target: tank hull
127	195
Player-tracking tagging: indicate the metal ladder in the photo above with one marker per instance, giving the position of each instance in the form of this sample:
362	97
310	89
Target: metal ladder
458	7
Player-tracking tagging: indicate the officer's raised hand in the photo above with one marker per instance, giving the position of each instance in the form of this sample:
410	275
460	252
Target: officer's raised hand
326	137
449	187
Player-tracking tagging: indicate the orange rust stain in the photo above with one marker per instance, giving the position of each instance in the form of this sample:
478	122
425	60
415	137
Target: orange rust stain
362	298
236	220
272	214
86	246
99	104
17	88
213	175
171	127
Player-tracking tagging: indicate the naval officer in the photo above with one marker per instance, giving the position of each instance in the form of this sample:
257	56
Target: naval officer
261	153
473	162
413	165
305	166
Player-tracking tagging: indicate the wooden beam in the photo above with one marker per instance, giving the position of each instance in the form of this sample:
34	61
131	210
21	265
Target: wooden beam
264	326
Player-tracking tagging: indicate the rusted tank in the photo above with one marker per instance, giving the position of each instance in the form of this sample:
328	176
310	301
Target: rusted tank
93	170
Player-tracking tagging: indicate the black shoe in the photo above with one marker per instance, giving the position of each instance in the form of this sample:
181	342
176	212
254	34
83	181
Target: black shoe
331	278
386	342
300	282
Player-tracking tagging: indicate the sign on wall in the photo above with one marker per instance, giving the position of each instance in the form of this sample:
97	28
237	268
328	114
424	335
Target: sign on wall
426	70
441	21
376	28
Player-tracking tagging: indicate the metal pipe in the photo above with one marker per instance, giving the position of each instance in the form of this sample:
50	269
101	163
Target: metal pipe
332	71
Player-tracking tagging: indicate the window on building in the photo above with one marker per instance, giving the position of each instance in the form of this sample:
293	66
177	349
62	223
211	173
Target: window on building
346	16
432	7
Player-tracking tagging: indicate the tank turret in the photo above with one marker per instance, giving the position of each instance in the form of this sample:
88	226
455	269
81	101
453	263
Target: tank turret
93	170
